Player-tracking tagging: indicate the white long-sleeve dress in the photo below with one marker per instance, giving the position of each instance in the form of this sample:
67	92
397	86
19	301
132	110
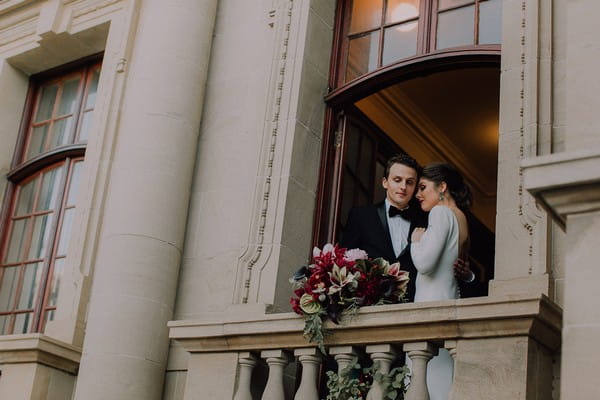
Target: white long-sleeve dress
433	257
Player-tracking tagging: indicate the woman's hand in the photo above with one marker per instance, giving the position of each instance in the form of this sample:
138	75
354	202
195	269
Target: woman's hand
417	235
462	270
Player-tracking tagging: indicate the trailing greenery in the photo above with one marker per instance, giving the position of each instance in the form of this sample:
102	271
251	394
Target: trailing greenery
354	382
393	384
349	384
314	330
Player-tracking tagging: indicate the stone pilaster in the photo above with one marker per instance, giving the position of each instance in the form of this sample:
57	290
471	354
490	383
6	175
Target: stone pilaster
145	212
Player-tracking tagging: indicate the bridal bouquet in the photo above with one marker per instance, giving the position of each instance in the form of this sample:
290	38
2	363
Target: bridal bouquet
338	282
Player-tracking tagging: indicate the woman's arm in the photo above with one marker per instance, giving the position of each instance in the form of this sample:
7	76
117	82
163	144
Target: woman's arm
428	247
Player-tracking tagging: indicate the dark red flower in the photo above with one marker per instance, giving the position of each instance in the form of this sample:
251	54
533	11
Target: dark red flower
295	302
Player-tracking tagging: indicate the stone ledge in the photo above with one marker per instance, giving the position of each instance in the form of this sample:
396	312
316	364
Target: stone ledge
564	183
483	317
39	348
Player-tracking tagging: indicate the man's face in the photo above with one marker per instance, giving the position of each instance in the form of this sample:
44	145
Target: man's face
400	185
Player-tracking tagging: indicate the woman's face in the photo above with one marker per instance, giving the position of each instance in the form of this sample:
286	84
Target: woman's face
427	194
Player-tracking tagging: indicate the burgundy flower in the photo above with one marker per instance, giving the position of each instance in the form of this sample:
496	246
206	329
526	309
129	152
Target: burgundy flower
295	302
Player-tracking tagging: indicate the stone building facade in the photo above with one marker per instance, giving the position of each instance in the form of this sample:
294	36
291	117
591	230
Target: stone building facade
167	164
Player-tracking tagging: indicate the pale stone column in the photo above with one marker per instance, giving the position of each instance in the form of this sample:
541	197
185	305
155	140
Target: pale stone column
580	205
521	262
582	64
581	324
140	245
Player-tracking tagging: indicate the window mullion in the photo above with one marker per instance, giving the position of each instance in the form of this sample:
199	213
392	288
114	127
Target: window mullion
476	23
381	34
57	100
24	252
78	111
432	15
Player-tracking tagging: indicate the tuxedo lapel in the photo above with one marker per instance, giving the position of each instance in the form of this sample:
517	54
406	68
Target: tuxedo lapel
381	213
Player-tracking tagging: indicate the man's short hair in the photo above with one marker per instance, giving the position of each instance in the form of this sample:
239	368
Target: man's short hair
403	159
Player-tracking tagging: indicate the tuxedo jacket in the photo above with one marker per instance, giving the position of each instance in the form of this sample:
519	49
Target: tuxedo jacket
367	229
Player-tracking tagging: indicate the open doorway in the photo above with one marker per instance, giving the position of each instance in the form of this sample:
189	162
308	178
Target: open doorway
449	115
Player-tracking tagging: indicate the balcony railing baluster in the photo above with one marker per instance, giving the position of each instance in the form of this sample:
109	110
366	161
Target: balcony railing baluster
343	355
310	359
512	327
382	355
419	353
276	360
247	362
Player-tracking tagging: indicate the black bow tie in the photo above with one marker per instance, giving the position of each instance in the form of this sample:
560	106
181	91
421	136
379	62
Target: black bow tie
405	213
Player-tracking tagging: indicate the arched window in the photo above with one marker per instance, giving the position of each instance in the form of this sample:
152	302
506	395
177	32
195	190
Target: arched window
42	196
378	33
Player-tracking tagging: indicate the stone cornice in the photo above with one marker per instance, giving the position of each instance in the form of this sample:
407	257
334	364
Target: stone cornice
484	317
39	348
564	183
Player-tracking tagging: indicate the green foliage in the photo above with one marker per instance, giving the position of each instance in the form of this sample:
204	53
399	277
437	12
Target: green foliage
354	382
347	385
314	330
393	384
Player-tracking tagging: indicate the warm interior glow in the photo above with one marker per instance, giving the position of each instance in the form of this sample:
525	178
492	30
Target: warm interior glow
404	11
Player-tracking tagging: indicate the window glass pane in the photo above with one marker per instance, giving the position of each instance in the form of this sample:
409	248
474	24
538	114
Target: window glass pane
86	122
46	103
74	183
444	4
61	132
38	141
92	89
490	22
400	42
50	189
68	98
16	241
401	10
366	14
455	27
32	276
4	324
59	266
65	231
8	288
22	323
26	197
41	236
362	55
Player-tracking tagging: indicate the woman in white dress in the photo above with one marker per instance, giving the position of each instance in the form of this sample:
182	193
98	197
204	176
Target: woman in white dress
443	193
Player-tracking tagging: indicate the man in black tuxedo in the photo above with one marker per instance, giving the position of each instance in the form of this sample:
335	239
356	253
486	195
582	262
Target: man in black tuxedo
384	229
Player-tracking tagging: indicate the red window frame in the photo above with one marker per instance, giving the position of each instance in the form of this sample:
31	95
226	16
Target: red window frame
427	21
64	156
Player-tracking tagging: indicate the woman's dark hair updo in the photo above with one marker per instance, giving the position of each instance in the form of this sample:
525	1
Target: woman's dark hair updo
459	190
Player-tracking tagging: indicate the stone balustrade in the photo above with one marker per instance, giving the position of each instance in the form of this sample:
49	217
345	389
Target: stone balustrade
503	348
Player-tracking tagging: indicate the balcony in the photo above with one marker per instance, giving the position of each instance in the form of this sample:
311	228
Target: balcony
503	348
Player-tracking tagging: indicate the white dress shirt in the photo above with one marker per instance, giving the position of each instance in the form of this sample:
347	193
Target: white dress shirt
399	228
